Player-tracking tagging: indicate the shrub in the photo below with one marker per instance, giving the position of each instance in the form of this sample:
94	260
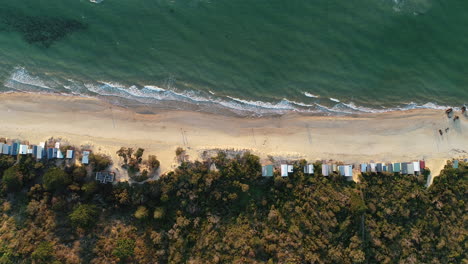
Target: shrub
84	215
43	253
100	161
124	249
141	213
56	179
12	179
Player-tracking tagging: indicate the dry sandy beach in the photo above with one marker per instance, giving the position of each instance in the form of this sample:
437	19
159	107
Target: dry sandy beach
393	136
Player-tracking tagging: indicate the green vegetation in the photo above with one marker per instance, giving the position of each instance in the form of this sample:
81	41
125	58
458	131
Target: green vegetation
84	215
233	215
56	179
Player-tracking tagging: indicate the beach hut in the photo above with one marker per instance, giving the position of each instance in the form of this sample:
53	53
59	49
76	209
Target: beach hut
379	167
416	166
363	167
390	167
422	164
23	149
1	148
85	159
50	153
341	170
70	154
334	168
30	151
396	167
42	144
384	168
410	168
57	145
284	170
455	164
59	154
39	152
348	170
372	167
267	171
6	149
309	169
404	168
15	148
325	170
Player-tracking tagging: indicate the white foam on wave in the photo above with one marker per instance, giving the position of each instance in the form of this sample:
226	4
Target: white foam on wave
310	95
21	76
154	88
334	100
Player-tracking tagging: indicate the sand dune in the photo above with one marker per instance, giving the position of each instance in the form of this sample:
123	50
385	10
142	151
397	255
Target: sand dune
394	136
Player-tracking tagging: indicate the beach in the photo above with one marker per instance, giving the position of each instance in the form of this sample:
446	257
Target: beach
104	128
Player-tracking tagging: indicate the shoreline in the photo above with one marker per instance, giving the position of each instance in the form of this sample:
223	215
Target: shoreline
385	137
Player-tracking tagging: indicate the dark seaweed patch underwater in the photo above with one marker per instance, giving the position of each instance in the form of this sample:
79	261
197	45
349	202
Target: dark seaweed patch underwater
39	30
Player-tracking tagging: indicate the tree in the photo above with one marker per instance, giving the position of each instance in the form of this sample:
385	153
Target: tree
43	253
159	213
124	249
84	215
100	161
139	154
12	179
141	212
153	162
122	152
79	174
56	179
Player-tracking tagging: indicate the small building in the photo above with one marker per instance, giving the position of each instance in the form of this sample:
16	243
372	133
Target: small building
379	167
422	165
341	170
1	147
30	151
85	159
384	168
57	145
39	152
70	154
325	169
286	169
372	167
50	153
404	168
59	154
364	167
410	168
15	149
396	167
267	171
309	169
334	168
416	166
348	170
6	149
42	144
455	164
105	176
390	167
23	149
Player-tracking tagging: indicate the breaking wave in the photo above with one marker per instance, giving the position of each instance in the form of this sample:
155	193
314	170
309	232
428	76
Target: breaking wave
152	95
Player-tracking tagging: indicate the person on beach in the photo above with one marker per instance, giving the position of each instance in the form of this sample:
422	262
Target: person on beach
456	118
463	110
446	130
440	132
449	111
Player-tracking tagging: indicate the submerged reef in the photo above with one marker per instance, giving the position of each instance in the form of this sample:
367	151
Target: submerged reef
39	30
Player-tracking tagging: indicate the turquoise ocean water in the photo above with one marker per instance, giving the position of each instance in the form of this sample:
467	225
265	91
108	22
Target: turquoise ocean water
241	56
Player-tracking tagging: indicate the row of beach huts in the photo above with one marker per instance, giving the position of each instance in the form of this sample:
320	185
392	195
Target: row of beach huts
406	168
40	151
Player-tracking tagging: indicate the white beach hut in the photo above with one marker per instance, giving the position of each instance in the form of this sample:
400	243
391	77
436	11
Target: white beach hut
284	170
23	149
